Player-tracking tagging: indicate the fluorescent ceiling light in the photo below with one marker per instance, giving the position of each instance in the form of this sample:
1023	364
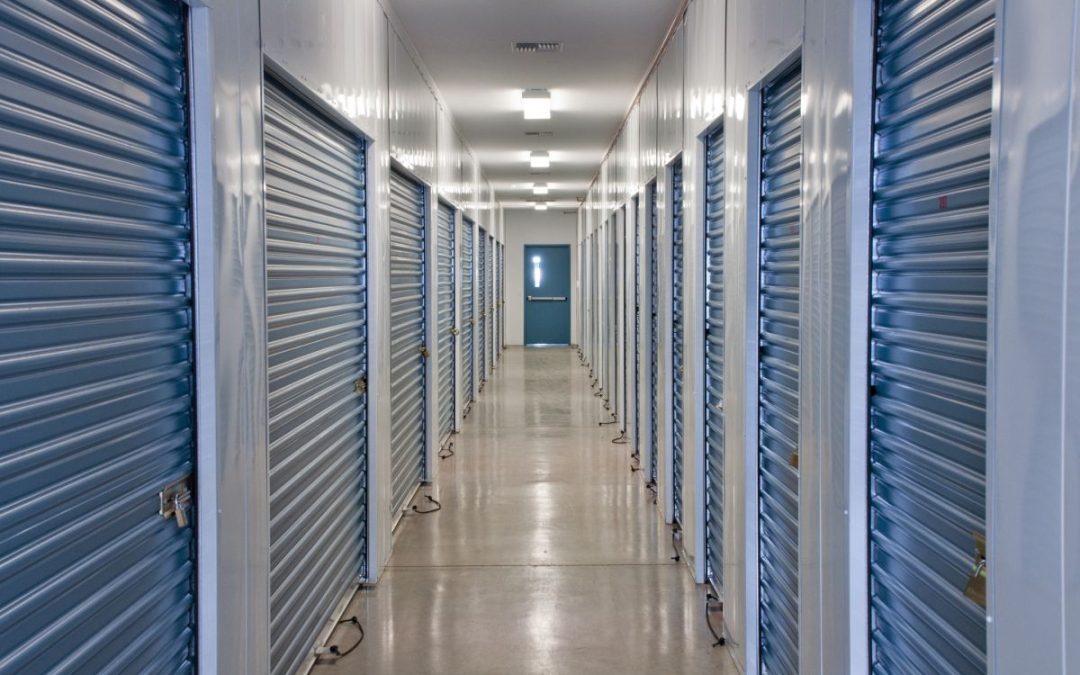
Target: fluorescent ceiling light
539	159
536	103
540	189
541	207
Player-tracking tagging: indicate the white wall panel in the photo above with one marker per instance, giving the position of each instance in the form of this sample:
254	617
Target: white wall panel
633	150
648	121
412	114
448	158
346	66
837	74
234	541
670	91
704	83
1034	380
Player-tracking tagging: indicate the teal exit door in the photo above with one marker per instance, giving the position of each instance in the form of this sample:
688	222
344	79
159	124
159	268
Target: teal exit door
547	295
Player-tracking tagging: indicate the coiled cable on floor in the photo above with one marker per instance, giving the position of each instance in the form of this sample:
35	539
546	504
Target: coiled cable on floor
438	506
621	439
334	652
448	451
709	598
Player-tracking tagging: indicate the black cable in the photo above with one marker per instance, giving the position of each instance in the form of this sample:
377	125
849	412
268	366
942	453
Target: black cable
438	506
336	652
709	597
674	544
447	452
621	439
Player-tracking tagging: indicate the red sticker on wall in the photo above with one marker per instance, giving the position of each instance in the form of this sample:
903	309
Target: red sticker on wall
943	202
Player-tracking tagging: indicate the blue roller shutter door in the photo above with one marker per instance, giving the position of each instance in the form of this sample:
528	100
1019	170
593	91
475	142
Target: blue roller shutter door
468	310
927	445
778	372
481	294
408	321
654	339
317	328
636	272
714	358
677	360
96	343
489	290
446	330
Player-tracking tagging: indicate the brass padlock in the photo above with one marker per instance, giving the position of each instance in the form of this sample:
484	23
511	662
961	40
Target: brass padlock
454	331
793	460
975	589
360	385
424	351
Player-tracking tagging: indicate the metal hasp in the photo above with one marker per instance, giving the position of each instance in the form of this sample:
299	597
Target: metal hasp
174	501
547	298
976	585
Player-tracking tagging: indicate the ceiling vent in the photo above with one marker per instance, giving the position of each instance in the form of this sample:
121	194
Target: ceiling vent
540	134
537	47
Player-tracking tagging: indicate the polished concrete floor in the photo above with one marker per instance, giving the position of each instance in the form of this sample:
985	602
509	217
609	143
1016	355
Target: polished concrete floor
548	555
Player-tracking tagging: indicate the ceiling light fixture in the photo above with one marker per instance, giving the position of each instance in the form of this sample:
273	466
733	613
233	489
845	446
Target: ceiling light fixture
539	159
540	188
541	207
536	103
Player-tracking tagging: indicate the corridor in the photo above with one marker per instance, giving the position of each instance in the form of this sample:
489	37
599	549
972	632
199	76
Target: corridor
548	555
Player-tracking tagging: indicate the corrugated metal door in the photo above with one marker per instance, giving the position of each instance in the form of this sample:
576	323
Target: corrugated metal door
677	361
928	334
96	348
482	298
446	329
654	338
468	310
408	319
489	291
636	281
317	329
778	372
714	358
502	297
612	296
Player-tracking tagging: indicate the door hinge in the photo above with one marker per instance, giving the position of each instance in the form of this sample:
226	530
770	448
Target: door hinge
360	385
174	501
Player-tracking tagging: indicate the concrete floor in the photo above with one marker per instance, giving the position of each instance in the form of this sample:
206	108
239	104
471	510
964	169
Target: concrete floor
547	557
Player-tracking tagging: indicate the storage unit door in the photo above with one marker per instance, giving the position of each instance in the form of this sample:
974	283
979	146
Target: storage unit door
636	281
316	306
654	340
714	359
778	372
468	310
446	330
96	348
927	444
502	297
408	319
481	294
489	289
677	360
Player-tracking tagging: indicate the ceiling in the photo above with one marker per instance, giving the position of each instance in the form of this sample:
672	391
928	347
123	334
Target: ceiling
607	46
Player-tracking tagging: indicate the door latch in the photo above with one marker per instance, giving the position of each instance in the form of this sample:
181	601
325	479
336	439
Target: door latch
174	501
976	584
